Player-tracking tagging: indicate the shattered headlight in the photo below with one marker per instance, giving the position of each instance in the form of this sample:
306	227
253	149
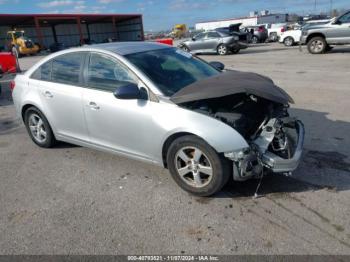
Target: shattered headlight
237	155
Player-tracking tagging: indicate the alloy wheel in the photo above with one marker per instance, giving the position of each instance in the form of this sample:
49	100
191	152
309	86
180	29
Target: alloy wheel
222	50
288	41
37	128
255	40
317	46
185	48
193	167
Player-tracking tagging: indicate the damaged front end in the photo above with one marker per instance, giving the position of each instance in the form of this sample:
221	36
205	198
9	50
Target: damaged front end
278	148
258	111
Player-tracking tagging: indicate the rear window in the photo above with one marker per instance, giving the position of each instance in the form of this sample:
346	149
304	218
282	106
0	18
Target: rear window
43	72
213	35
63	69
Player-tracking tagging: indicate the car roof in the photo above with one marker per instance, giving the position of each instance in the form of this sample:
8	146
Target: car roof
126	48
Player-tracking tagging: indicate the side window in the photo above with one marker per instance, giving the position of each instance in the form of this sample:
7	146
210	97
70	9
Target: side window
213	35
200	36
43	72
105	73
66	68
345	18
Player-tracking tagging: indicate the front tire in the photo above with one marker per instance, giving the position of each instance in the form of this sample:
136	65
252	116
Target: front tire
317	45
185	48
39	128
196	167
222	49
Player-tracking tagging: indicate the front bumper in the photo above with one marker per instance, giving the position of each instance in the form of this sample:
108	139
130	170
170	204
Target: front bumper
281	165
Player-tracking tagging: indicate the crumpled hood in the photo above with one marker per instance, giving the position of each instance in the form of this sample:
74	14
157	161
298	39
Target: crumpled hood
229	83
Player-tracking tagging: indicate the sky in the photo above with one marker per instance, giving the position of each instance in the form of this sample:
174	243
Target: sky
164	14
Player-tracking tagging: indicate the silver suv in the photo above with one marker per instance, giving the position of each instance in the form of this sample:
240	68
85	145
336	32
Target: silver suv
319	38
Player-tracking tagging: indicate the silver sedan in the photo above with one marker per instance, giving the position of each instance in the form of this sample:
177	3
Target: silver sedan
162	105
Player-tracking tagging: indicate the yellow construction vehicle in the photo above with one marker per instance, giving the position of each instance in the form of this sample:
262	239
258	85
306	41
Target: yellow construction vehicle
179	31
20	45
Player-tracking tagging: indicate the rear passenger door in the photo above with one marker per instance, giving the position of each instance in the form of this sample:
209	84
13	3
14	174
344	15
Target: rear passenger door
60	89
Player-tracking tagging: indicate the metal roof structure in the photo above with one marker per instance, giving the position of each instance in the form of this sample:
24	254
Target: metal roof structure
30	19
39	21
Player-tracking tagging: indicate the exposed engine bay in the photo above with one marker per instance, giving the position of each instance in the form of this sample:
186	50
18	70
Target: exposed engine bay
271	134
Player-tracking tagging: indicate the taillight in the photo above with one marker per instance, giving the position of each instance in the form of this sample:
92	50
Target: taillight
261	29
12	85
283	30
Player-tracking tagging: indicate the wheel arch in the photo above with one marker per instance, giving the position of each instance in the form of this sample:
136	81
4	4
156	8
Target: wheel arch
312	35
169	141
182	45
26	106
289	36
221	43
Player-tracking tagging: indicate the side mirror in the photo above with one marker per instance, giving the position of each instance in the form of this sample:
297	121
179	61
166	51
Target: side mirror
336	22
218	65
128	91
193	39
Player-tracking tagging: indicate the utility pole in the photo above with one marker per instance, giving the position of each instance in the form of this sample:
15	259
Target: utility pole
315	6
331	8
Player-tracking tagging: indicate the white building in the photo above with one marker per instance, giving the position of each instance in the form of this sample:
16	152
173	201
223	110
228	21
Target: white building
254	19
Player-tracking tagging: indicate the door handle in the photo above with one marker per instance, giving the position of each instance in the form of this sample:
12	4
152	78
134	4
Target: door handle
48	94
94	106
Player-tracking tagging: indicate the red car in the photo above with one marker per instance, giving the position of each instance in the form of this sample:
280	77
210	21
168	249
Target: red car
8	64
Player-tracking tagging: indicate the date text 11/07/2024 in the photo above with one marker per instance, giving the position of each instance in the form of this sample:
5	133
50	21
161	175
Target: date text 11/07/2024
173	258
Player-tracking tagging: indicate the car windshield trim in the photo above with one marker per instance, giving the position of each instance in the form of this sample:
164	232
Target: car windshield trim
171	69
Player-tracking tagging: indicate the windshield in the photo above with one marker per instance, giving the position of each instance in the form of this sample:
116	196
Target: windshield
171	69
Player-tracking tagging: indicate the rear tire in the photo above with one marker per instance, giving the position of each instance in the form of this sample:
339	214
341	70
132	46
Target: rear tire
317	45
255	40
288	41
39	128
196	167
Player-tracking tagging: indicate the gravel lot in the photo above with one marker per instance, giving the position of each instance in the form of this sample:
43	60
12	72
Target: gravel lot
73	200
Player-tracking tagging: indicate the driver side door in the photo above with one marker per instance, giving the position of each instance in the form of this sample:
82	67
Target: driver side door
340	31
117	125
198	44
